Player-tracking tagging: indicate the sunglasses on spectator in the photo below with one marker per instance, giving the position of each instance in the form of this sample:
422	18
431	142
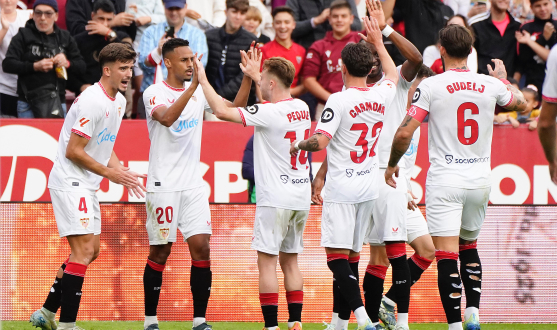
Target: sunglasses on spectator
47	14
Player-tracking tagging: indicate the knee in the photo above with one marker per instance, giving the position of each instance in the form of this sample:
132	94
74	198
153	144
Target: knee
201	251
159	254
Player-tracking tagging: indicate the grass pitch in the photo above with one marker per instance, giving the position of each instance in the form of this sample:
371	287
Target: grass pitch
98	325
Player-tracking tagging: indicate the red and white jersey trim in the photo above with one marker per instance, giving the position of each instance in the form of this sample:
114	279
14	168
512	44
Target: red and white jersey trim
81	134
320	131
105	93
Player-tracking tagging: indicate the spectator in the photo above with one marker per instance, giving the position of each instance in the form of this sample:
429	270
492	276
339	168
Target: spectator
150	46
283	46
422	19
248	170
528	116
459	7
479	7
36	53
252	23
495	36
520	9
78	13
90	42
225	43
535	41
321	74
206	14
11	20
266	26
312	20
146	13
432	57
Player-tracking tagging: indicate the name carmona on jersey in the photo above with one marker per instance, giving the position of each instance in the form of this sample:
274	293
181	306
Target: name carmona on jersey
367	106
465	86
298	115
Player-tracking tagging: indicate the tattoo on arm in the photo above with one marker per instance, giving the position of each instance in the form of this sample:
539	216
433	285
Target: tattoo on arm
311	144
406	122
519	97
400	145
396	155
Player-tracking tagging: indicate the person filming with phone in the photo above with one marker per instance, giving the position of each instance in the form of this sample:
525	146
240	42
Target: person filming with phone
150	47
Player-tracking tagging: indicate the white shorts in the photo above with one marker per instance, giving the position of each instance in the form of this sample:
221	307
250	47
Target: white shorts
344	226
187	210
416	226
390	211
76	212
278	230
456	211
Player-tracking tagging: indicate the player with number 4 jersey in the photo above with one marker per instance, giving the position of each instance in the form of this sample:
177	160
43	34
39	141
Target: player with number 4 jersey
283	186
85	156
461	106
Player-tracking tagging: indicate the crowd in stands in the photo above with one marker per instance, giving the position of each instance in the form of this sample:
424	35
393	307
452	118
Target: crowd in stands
49	48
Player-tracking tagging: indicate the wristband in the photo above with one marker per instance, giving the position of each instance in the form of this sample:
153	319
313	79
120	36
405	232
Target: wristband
297	145
387	31
107	33
156	56
505	81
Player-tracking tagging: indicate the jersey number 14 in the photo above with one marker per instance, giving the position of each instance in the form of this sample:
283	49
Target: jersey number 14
302	155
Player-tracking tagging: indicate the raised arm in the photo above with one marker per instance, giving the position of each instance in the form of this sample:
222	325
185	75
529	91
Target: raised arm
375	37
523	37
518	102
217	104
250	70
413	57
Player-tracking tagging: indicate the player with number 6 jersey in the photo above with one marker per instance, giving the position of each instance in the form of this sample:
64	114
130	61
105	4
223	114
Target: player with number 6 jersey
283	184
85	156
461	106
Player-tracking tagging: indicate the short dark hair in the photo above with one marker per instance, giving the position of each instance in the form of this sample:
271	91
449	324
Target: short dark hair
172	44
281	68
282	9
340	4
532	2
456	40
105	5
358	59
241	5
116	51
425	72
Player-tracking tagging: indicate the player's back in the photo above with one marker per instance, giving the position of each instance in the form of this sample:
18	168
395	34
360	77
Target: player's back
461	110
352	120
95	116
280	180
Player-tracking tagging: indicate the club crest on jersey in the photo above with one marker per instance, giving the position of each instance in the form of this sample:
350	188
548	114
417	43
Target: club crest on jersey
284	178
349	172
164	233
328	53
194	98
299	59
416	96
252	109
119	112
449	158
84	222
327	115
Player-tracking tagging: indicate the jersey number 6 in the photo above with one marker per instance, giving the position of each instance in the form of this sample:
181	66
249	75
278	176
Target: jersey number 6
462	124
303	155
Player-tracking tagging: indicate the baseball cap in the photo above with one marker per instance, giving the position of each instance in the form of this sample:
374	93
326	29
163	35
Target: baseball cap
174	4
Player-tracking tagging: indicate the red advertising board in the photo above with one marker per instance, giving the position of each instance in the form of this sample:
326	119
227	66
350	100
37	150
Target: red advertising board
28	147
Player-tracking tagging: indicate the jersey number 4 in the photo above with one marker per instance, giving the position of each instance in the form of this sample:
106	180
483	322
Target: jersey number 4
302	155
462	124
375	131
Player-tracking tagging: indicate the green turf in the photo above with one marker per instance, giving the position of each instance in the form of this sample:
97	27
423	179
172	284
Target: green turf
97	325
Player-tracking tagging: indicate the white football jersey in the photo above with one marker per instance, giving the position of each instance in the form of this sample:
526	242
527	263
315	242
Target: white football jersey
394	115
549	91
352	120
281	180
461	106
175	154
95	116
